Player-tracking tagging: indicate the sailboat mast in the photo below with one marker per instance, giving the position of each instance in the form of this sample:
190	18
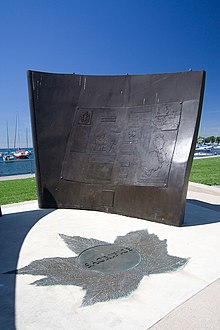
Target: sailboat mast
7	137
16	128
19	145
26	137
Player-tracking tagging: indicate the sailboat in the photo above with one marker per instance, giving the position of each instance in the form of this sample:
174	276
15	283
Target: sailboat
8	156
27	152
20	153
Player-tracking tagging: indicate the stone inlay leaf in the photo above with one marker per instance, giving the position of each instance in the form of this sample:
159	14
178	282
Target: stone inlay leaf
100	287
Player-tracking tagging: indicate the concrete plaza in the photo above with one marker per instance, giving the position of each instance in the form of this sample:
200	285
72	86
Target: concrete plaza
186	299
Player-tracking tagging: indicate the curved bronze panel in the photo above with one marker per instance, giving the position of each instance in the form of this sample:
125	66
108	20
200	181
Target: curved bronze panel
119	144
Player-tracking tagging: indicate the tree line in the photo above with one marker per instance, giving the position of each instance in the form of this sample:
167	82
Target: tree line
208	139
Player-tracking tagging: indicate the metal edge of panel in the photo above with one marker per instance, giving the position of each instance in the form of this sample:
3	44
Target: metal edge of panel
35	137
193	144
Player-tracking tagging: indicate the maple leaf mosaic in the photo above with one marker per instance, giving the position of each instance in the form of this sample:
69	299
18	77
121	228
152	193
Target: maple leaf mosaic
103	277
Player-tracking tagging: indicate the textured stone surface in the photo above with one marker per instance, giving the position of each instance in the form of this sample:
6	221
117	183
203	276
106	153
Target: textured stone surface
100	286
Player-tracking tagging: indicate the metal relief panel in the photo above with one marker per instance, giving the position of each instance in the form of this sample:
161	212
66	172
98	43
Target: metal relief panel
164	130
101	135
80	139
121	144
129	145
99	171
154	170
167	116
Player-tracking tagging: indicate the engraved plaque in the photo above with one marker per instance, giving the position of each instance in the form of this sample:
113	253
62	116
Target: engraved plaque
128	145
109	259
118	144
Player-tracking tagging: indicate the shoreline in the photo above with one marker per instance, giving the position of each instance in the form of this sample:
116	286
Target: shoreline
17	176
203	157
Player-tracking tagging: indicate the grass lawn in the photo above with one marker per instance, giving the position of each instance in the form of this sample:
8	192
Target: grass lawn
14	191
206	171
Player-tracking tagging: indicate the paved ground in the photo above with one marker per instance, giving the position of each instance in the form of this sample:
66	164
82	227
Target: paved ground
202	157
14	177
186	299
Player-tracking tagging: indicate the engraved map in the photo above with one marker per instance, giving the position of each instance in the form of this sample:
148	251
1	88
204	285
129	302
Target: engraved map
129	145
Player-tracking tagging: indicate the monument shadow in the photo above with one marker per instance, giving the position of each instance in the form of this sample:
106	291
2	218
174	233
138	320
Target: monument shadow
13	230
200	213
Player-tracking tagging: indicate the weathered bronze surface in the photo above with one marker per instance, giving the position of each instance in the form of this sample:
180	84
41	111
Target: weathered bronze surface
119	144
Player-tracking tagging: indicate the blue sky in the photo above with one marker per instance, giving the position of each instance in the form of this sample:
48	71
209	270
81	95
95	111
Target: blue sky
106	37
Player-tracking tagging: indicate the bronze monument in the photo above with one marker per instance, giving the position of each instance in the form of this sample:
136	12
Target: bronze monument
118	144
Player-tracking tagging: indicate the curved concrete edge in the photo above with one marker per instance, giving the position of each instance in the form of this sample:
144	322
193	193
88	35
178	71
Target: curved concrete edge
202	188
202	311
19	207
15	177
13	205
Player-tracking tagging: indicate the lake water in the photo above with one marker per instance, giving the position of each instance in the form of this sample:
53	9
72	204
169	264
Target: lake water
18	166
207	153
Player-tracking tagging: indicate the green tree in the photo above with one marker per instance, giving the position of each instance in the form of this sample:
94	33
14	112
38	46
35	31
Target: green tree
210	139
200	139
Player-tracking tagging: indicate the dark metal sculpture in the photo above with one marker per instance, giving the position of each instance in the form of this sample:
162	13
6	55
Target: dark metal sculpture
119	144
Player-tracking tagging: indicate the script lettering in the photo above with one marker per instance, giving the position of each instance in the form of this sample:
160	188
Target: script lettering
108	257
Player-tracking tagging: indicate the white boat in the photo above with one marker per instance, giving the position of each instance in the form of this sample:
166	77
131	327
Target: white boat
216	147
8	157
21	154
203	147
27	152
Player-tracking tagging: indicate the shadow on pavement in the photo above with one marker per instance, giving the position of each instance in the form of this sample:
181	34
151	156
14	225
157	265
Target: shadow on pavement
200	213
15	227
13	230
